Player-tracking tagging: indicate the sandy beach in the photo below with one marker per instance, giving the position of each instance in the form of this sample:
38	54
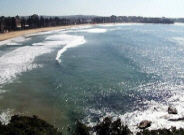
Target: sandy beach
12	34
5	36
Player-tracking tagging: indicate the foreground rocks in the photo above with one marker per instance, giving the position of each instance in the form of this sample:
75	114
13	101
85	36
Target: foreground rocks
172	110
144	124
108	127
23	125
177	119
172	131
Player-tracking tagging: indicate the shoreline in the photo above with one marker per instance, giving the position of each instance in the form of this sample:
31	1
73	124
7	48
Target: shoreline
13	34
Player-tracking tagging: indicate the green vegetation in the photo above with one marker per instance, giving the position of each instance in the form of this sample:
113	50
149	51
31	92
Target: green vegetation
79	129
23	125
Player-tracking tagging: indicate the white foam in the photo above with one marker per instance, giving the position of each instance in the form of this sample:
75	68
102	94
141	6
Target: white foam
61	37
120	24
129	24
18	61
45	33
73	29
49	43
106	25
22	59
68	40
115	29
5	116
14	41
179	24
80	27
157	113
95	30
2	91
78	41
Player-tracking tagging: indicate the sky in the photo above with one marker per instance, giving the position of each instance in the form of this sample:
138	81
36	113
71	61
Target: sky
146	8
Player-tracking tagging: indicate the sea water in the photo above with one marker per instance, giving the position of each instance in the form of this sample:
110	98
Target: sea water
131	71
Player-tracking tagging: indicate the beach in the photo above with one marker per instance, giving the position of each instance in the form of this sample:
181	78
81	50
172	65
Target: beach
13	34
5	36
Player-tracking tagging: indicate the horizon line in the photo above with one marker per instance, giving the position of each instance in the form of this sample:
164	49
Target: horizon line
96	16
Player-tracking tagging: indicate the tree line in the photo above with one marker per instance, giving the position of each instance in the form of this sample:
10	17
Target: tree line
34	21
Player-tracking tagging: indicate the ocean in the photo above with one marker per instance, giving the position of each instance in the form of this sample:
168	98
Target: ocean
131	71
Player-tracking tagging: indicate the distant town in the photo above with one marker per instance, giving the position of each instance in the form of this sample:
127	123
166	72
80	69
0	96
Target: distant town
8	24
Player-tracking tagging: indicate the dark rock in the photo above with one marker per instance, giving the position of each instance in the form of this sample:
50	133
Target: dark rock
109	127
144	124
172	131
172	110
177	119
80	129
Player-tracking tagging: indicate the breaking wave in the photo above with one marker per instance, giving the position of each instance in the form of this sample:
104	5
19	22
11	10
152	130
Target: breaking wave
18	61
14	41
67	40
96	30
5	116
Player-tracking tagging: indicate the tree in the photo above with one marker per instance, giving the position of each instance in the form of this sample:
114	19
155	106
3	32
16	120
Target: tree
23	23
42	22
57	21
0	25
7	23
13	23
50	22
29	21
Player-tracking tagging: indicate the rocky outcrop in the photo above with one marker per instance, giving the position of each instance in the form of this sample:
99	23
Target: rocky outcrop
172	110
144	124
109	127
177	119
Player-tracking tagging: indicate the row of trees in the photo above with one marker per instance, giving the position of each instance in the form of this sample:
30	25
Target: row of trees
34	21
120	19
8	23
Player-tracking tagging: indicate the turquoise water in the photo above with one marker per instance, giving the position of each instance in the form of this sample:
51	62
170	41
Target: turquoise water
113	69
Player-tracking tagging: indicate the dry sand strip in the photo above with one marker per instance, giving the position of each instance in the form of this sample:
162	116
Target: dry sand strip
13	34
